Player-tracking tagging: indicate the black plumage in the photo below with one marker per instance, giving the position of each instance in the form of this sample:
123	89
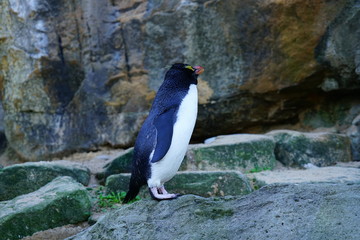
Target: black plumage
154	138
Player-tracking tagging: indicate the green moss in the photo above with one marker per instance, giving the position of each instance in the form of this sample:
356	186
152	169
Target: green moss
259	169
61	202
25	178
296	149
243	156
200	183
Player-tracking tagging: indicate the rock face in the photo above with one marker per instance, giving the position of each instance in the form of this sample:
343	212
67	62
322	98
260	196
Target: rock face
297	149
76	75
24	178
62	201
303	211
66	82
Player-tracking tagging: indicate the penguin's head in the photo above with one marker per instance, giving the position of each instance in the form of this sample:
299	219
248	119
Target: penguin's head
181	74
197	70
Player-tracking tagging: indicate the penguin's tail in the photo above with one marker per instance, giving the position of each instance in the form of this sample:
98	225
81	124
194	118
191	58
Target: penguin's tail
134	188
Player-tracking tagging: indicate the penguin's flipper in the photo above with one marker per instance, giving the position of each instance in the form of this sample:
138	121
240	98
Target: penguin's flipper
164	125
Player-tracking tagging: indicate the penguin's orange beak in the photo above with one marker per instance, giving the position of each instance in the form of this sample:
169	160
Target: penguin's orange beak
199	70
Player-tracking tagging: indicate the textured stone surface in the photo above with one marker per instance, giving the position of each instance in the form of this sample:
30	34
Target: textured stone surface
206	184
297	149
244	152
298	211
334	174
60	202
25	178
68	88
340	49
354	134
77	75
121	164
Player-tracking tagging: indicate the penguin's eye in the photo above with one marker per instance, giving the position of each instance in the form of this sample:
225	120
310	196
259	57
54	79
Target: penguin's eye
190	67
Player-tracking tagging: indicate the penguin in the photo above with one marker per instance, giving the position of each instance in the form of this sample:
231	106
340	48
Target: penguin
163	139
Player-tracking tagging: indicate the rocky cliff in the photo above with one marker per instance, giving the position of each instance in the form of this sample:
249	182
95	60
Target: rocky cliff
77	75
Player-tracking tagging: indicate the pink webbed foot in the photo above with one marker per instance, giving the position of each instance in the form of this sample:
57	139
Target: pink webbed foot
161	194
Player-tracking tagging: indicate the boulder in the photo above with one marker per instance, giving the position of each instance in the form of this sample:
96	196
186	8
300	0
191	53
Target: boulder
81	75
27	177
206	184
60	202
297	149
120	164
286	211
354	134
243	152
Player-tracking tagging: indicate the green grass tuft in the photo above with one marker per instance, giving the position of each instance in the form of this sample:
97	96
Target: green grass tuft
258	169
113	199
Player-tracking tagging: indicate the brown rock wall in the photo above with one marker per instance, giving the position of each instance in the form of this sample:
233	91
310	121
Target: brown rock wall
77	75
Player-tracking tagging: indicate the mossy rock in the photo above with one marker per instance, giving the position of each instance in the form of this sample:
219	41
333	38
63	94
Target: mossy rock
242	152
60	202
297	149
27	177
121	164
202	183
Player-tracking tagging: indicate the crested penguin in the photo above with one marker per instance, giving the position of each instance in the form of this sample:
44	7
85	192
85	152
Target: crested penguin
163	139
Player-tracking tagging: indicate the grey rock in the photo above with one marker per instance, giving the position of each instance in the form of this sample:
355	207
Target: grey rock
354	134
336	116
202	183
296	149
294	211
120	164
342	53
24	178
60	202
243	152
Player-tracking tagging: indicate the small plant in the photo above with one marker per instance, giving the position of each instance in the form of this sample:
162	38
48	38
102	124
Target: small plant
112	199
109	200
259	169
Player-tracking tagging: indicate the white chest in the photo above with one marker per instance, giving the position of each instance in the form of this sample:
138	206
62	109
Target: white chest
163	170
